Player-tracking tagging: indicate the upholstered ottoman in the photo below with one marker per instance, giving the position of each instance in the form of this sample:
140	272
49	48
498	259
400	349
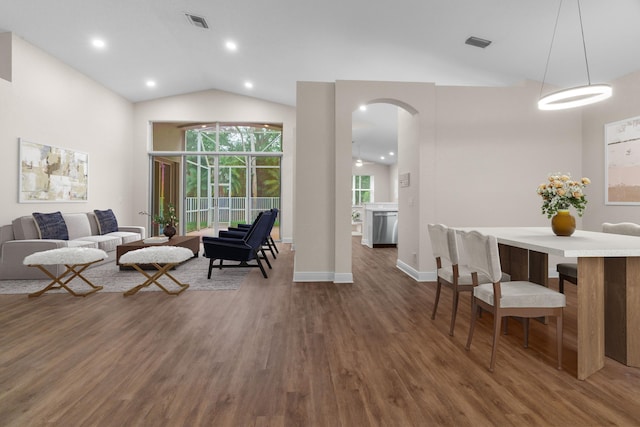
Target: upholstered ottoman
163	258
75	259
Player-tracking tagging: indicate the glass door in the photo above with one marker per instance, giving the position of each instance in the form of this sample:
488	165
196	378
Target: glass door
265	188
231	202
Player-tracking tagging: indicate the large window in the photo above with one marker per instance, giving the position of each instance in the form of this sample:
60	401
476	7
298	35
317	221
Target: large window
362	190
231	171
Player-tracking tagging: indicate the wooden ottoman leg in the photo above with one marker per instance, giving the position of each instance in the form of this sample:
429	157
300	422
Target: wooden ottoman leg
161	270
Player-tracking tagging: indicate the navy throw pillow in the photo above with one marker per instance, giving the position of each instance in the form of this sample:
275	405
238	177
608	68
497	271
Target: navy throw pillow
51	225
107	222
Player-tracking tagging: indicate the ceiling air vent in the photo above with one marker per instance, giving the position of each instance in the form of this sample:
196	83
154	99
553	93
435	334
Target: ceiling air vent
198	21
478	42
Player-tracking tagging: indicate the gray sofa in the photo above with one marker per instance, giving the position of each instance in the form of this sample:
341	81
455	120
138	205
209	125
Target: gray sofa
22	238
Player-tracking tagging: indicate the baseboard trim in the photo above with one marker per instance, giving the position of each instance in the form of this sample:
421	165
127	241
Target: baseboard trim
418	276
322	276
313	276
343	278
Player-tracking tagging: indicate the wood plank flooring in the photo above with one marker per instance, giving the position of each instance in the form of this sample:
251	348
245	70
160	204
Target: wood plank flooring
277	353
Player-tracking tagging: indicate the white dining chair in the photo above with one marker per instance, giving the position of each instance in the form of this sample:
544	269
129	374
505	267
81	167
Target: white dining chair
451	273
516	298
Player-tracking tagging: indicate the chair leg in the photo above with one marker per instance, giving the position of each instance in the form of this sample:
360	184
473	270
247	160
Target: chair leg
454	311
264	273
472	324
268	243
264	256
559	338
496	334
210	268
435	303
274	244
525	325
561	284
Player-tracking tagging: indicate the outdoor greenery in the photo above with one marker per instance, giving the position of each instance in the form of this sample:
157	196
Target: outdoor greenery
362	186
265	170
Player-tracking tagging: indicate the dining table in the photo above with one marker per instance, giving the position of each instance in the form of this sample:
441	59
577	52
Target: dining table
608	271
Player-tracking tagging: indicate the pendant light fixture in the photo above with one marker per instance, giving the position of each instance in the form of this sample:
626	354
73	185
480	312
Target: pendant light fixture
575	96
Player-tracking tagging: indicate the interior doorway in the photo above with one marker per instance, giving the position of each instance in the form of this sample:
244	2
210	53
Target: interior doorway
374	175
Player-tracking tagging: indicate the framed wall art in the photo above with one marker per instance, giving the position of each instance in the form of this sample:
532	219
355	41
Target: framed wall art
622	162
52	174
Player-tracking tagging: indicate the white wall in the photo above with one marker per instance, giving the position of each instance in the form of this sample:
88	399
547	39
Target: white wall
6	58
212	106
50	103
314	222
393	183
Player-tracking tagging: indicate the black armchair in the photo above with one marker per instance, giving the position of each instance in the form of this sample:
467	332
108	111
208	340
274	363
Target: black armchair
239	232
242	250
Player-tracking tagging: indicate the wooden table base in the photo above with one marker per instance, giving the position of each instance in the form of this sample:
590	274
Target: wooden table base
161	270
76	270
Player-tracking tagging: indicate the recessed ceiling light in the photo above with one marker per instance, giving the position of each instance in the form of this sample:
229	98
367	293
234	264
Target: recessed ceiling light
363	108
391	153
231	45
151	83
248	85
381	157
98	43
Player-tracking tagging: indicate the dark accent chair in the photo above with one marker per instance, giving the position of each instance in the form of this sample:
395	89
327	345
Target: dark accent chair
243	250
239	232
567	271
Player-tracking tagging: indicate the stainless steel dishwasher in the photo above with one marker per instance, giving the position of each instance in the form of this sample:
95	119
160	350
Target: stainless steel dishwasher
385	228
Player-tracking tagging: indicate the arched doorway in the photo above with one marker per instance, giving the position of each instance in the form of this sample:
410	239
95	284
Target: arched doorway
415	119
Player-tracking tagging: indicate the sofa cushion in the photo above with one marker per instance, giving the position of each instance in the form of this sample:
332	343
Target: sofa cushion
78	225
106	243
126	236
51	225
107	222
81	244
25	228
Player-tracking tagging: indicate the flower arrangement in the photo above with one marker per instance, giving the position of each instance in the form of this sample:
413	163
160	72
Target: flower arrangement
170	218
561	192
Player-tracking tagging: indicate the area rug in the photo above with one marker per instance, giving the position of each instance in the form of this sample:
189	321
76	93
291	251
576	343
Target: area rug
109	276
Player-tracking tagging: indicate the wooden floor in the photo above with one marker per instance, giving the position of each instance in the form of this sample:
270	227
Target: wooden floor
279	353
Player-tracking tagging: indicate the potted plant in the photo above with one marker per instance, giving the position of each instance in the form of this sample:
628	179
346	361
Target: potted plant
168	221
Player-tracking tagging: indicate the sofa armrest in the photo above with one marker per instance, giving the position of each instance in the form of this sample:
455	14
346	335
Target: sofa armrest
134	229
13	253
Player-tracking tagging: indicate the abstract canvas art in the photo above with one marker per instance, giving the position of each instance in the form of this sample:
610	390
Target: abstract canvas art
622	167
52	174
